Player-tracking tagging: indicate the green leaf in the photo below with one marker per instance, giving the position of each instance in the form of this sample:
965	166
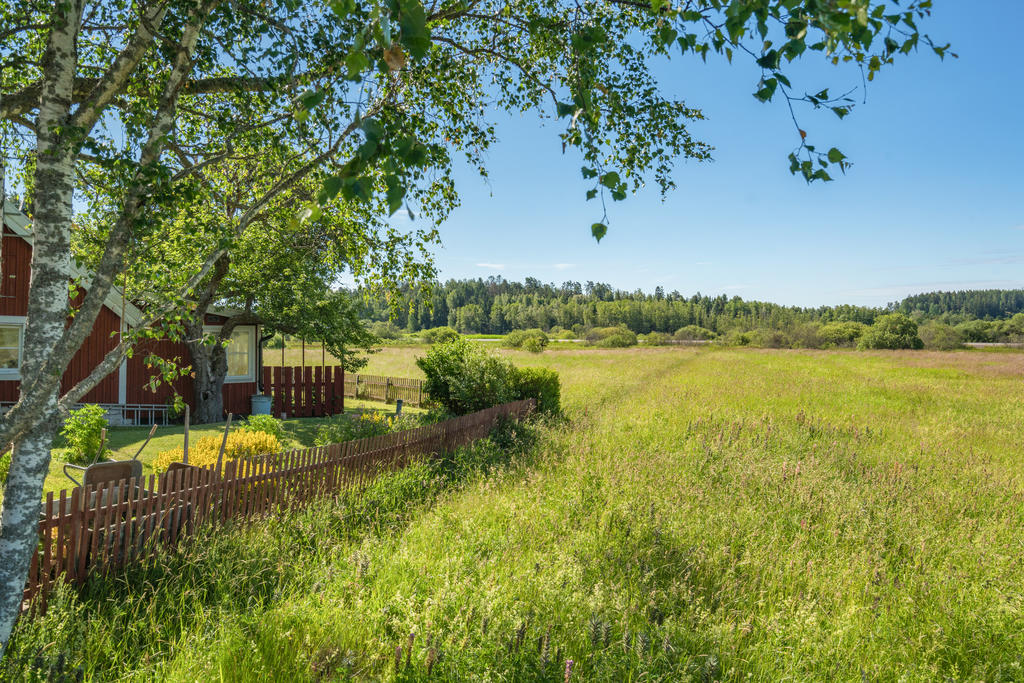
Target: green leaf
331	187
312	99
598	230
373	130
356	62
610	180
565	109
588	172
395	194
835	156
591	194
413	24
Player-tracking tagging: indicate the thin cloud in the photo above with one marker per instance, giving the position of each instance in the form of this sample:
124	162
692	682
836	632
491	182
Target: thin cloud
990	259
921	287
564	266
492	266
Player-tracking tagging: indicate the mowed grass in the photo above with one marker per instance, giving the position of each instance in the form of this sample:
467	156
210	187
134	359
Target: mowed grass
125	442
714	514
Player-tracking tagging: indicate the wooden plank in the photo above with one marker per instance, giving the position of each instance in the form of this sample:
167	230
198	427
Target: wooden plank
63	527
48	541
308	380
286	392
277	392
319	392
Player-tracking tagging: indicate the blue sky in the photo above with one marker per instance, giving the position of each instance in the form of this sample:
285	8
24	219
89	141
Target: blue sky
935	199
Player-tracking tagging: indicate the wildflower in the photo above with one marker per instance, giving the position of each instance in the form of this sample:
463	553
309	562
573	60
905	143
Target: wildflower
568	669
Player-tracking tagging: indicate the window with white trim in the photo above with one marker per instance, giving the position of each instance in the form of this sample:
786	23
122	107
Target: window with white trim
241	353
12	331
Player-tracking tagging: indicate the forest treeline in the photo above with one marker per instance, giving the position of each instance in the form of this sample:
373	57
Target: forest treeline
498	306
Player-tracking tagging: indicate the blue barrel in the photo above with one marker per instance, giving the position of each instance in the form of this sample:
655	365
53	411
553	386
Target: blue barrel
261	404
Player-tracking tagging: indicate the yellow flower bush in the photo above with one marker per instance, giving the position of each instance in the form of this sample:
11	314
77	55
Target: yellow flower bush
241	443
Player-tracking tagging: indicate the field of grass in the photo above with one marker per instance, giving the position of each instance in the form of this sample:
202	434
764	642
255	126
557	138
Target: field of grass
704	514
395	360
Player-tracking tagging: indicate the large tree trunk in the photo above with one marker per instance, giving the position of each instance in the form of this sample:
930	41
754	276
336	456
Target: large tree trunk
47	314
210	365
22	501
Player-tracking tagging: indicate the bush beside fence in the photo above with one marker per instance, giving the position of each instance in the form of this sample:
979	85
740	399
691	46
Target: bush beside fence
102	527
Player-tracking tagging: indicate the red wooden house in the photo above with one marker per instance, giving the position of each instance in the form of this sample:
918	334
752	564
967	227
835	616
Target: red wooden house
126	393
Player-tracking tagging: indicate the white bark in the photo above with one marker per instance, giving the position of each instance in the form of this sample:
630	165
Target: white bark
47	313
49	343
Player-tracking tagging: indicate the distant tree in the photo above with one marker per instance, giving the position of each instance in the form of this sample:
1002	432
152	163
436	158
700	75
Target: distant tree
940	336
893	331
842	333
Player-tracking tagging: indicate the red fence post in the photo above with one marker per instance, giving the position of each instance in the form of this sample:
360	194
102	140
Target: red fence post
286	393
308	380
318	406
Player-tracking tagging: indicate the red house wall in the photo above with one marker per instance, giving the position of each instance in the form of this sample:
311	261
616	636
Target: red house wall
236	395
17	257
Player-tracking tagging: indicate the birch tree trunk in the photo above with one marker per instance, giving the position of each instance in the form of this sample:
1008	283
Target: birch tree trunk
47	311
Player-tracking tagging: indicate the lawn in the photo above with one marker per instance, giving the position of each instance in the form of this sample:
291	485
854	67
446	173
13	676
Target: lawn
704	514
126	441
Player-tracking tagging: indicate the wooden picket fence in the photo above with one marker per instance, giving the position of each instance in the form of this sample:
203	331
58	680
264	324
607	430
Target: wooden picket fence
100	528
305	391
386	389
316	391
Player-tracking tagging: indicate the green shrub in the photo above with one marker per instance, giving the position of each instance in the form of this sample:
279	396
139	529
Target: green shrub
275	342
657	339
977	331
736	338
534	345
385	330
439	335
343	428
542	384
268	424
463	377
940	336
5	467
532	340
611	337
806	336
767	338
841	333
81	433
694	333
893	331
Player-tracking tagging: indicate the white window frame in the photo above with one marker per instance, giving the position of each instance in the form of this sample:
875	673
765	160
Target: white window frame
8	374
251	375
